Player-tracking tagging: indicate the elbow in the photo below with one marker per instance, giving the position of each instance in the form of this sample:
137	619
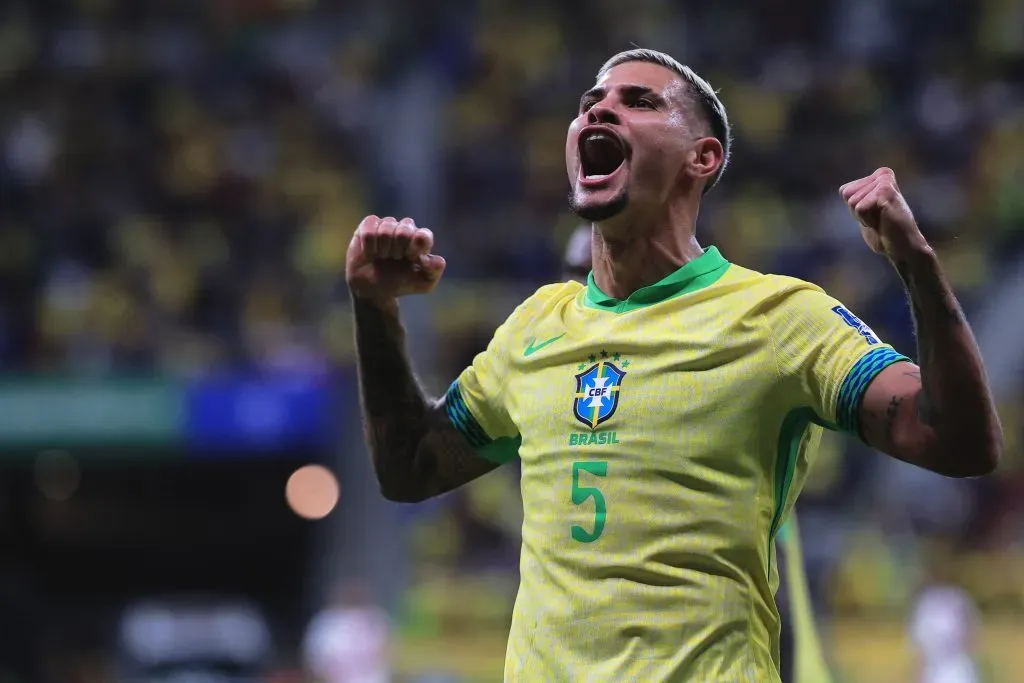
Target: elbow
399	468
400	480
401	489
989	452
401	494
979	464
965	458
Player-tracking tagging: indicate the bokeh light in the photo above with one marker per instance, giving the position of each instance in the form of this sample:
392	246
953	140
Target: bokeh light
312	491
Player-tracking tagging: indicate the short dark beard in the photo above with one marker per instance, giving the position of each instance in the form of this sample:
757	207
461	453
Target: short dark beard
602	212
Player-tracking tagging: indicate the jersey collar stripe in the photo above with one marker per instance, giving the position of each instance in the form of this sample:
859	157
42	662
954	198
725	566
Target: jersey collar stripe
690	277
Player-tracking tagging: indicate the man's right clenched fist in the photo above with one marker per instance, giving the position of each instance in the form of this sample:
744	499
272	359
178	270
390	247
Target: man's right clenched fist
389	258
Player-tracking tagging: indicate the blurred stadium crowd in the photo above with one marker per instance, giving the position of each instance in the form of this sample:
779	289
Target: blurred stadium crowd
179	180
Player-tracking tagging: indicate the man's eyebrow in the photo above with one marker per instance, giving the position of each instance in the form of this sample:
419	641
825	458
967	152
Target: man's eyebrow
593	93
642	90
629	90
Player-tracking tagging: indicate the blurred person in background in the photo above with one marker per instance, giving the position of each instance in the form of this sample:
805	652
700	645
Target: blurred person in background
576	260
349	641
755	356
194	637
943	626
801	658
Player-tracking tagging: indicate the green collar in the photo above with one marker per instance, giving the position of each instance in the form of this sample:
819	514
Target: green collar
697	274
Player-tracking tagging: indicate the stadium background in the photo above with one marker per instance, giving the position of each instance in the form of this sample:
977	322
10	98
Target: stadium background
179	180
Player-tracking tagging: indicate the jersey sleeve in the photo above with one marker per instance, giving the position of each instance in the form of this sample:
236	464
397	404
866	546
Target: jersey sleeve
476	400
827	355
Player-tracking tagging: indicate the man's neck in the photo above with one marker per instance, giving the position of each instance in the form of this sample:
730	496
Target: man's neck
621	267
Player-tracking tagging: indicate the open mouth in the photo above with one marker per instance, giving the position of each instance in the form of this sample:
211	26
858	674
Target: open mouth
601	154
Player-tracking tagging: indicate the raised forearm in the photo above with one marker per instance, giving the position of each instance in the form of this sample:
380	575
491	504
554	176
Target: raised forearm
955	400
394	406
417	452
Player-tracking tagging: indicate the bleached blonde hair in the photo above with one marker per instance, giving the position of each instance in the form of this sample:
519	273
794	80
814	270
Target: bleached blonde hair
709	108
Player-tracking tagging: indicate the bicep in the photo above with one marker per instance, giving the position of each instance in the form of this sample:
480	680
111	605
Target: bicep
891	415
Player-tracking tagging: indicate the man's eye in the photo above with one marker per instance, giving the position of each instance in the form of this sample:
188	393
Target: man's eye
644	103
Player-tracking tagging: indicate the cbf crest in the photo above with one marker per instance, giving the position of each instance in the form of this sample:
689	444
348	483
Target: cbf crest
598	388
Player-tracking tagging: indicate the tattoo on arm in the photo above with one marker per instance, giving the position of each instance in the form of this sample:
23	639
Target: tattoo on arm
417	452
891	413
954	401
390	394
944	308
924	407
943	302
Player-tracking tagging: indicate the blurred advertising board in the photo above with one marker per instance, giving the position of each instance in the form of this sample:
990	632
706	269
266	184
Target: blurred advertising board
207	416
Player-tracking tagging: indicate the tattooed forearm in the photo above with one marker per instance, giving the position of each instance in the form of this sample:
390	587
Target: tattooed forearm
387	385
929	295
417	453
954	399
934	307
394	406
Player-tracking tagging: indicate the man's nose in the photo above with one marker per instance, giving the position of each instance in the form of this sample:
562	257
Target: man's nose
602	113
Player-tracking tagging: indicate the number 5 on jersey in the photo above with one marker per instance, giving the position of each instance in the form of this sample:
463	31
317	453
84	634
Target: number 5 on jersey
580	494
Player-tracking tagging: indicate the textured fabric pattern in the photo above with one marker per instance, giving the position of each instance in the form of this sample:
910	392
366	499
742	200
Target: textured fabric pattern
856	383
663	443
463	420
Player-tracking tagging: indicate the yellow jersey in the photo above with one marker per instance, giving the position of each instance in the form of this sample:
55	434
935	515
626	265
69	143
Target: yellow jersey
809	662
663	440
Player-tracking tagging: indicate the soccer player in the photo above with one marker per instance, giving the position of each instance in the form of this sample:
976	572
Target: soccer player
576	260
801	657
665	413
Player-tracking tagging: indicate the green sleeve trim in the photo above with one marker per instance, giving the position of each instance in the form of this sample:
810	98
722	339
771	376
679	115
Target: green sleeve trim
499	450
462	418
502	450
856	383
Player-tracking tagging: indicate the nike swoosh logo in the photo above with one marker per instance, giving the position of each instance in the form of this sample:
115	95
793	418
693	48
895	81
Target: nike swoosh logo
533	347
